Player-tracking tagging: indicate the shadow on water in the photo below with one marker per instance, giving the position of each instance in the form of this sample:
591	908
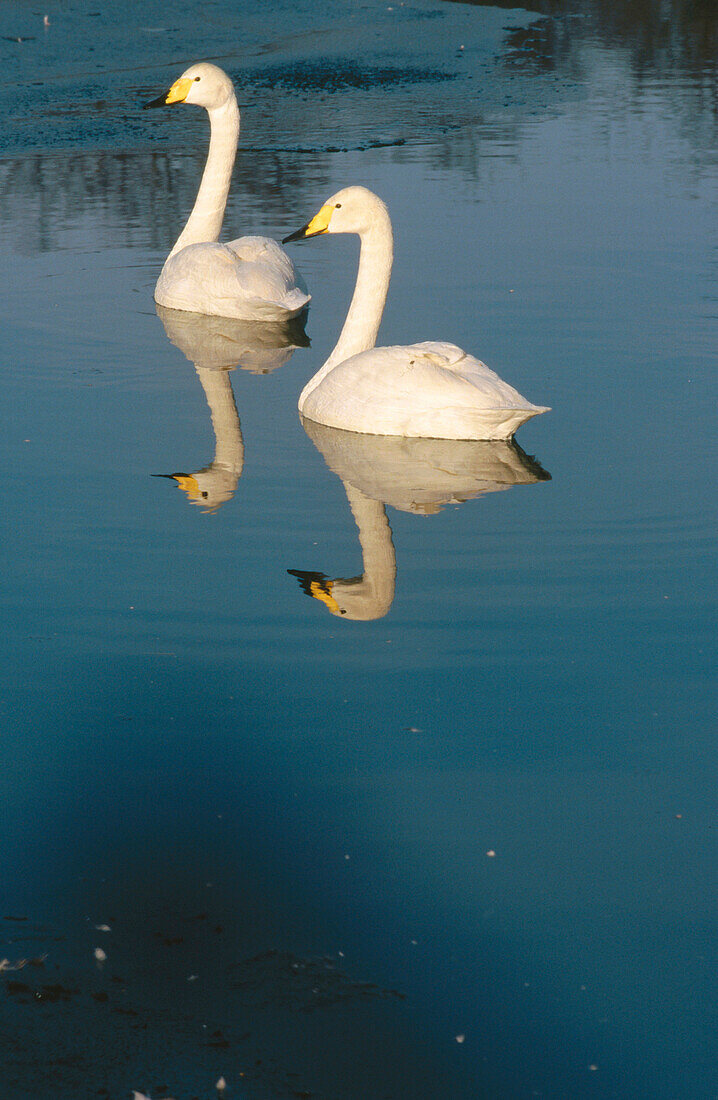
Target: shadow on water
299	110
141	197
661	37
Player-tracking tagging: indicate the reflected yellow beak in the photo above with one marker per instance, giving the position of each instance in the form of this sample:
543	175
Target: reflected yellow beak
322	590
188	485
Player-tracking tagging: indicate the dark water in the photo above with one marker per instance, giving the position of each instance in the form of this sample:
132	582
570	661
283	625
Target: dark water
459	841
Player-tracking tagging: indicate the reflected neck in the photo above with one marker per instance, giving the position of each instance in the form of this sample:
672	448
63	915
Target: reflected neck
378	554
229	445
205	221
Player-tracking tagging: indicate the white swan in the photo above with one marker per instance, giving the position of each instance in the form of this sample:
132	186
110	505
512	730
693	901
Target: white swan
430	390
251	278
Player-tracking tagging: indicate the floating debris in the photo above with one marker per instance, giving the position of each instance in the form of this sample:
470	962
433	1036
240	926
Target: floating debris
5	964
142	1096
100	955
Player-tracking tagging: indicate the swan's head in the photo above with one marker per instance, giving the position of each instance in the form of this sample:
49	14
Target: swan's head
207	489
204	84
351	210
346	597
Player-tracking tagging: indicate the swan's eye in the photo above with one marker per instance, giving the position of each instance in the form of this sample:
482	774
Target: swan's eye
205	494
337	206
196	79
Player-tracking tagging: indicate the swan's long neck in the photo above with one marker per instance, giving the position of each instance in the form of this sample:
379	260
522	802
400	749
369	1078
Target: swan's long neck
205	221
367	306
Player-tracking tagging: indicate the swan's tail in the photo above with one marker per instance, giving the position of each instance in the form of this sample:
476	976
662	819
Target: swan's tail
295	300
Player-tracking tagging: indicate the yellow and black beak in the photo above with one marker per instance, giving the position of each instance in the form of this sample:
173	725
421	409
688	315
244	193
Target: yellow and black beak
187	482
176	94
318	224
319	586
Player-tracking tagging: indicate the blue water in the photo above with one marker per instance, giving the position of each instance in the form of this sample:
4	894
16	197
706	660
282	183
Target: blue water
285	816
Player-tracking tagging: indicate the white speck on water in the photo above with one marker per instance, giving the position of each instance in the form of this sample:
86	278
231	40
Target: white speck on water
491	853
221	1085
593	1067
460	1038
193	977
99	954
102	928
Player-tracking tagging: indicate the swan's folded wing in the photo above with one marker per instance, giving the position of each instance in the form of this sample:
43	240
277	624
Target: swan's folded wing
250	277
484	381
432	389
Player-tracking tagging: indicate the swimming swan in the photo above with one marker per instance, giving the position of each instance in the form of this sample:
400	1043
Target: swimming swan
251	278
432	389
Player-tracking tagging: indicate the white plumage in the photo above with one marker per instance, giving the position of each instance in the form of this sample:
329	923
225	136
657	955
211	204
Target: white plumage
251	278
431	389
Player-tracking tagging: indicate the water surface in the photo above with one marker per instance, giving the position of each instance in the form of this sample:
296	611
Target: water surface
459	840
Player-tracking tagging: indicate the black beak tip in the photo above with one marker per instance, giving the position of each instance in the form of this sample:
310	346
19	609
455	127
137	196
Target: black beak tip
161	101
298	236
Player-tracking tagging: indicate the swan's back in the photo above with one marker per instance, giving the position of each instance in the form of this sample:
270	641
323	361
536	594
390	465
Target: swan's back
251	278
431	389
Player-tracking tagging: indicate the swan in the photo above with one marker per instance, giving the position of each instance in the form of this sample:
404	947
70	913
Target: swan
430	390
251	278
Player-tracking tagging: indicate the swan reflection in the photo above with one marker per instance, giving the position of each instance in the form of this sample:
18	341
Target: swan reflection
413	475
216	345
